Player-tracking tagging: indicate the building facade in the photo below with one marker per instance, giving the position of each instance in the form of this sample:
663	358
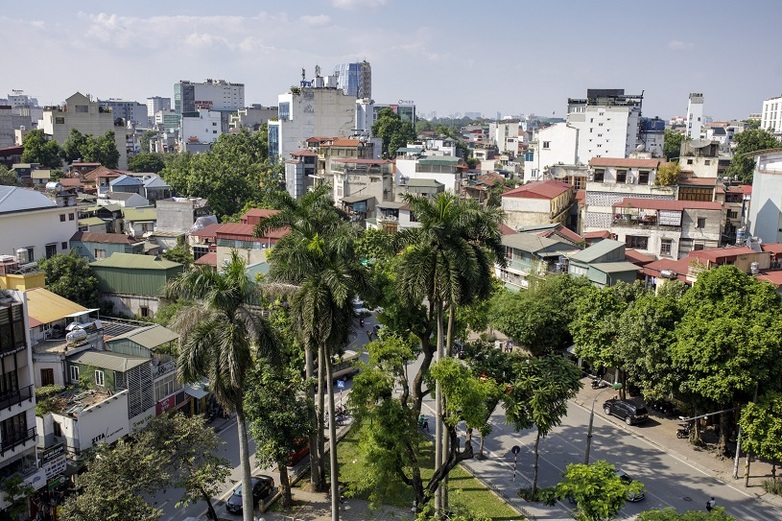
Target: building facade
608	123
355	79
765	212
771	115
694	116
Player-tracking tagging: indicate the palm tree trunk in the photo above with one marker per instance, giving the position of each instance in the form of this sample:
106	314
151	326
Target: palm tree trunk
248	508
439	432
448	352
314	455
321	412
332	443
535	467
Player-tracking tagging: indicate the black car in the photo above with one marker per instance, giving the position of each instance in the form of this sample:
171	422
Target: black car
630	412
626	479
263	486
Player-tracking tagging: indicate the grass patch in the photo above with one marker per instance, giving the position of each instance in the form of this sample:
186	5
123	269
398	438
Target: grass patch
464	491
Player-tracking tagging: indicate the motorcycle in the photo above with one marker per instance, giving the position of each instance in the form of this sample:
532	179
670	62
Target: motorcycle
423	423
598	383
683	432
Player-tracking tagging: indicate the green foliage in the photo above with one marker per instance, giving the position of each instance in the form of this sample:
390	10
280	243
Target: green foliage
146	162
179	253
742	166
669	514
761	426
69	275
16	492
92	149
166	314
672	144
428	514
393	132
8	178
374	245
39	149
667	174
466	395
235	173
45	398
773	486
538	318
597	490
146	138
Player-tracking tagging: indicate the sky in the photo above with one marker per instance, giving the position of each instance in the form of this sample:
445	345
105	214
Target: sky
512	57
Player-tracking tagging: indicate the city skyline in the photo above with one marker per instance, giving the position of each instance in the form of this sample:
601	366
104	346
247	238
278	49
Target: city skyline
448	58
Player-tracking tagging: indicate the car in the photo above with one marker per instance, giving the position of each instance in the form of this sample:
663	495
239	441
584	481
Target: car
301	450
263	487
626	479
631	412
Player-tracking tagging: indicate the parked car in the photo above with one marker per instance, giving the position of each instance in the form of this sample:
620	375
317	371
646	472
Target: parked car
630	412
302	449
626	479
263	486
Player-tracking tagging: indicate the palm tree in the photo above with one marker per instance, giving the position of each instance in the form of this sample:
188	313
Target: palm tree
219	336
446	262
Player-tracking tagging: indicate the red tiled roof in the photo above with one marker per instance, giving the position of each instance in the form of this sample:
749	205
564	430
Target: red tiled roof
774	277
666	204
506	230
636	257
207	259
207	231
563	231
598	234
302	153
624	162
106	238
773	247
680	267
70	182
548	189
246	232
261	213
581	195
717	254
700	181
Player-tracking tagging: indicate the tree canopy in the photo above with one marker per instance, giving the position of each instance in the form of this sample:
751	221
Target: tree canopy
8	178
93	149
599	493
742	166
146	162
70	276
39	149
393	132
672	144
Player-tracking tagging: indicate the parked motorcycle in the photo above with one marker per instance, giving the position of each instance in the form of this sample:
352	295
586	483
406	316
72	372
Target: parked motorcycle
598	383
423	423
683	432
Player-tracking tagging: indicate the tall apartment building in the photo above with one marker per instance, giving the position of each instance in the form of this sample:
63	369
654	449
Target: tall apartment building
155	104
355	79
131	112
608	123
88	117
771	115
694	116
218	95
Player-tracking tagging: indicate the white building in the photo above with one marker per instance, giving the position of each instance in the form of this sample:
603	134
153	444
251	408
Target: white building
556	144
34	227
446	170
155	104
132	112
765	212
608	123
252	118
86	116
202	126
771	115
505	135
694	116
212	94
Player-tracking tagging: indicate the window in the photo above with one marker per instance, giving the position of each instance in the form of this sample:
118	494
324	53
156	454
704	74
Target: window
62	217
83	109
697	247
689	161
47	377
665	247
100	378
30	254
733	214
143	311
71	216
99	253
701	222
74	374
636	241
643	177
64	246
51	250
59	120
546	145
599	175
621	176
707	162
9	383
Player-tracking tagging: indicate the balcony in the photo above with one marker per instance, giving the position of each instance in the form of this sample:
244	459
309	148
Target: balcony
16	440
649	220
14	397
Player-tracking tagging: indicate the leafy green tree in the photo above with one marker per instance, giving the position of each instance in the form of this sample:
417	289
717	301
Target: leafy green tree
761	427
235	173
667	174
8	178
729	340
39	149
393	132
669	514
188	447
672	144
220	335
742	166
146	162
279	414
179	253
428	514
17	493
89	148
70	276
539	395
114	482
597	490
146	138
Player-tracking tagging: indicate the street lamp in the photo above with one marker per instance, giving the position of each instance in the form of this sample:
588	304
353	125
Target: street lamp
613	387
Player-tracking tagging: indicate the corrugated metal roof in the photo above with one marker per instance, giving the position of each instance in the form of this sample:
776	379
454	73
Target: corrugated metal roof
530	242
150	337
548	189
596	250
440	160
108	360
133	260
44	307
104	238
424	182
148	213
91	221
615	267
17	199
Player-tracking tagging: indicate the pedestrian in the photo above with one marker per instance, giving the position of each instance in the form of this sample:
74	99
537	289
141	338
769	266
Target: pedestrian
710	504
369	334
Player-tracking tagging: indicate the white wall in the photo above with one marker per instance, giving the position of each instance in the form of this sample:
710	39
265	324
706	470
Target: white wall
605	131
37	229
104	422
765	210
206	127
555	144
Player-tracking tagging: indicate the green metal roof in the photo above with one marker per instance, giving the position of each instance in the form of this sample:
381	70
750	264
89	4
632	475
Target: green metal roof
150	337
108	360
440	160
615	267
133	260
92	221
424	182
144	213
596	251
531	242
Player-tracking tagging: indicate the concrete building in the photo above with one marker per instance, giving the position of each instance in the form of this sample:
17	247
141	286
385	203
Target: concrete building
556	144
608	123
133	113
405	109
200	127
355	79
529	256
765	212
252	118
88	117
10	122
771	115
300	172
449	171
540	202
506	136
218	95
694	116
360	184
154	105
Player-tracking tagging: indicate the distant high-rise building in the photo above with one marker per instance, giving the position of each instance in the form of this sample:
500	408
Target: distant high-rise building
130	111
355	79
694	116
771	116
218	95
156	104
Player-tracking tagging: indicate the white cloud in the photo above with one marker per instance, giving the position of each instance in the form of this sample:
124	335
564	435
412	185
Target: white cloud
354	4
316	21
679	45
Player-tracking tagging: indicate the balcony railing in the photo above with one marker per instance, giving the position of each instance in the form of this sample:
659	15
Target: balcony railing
18	439
11	398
